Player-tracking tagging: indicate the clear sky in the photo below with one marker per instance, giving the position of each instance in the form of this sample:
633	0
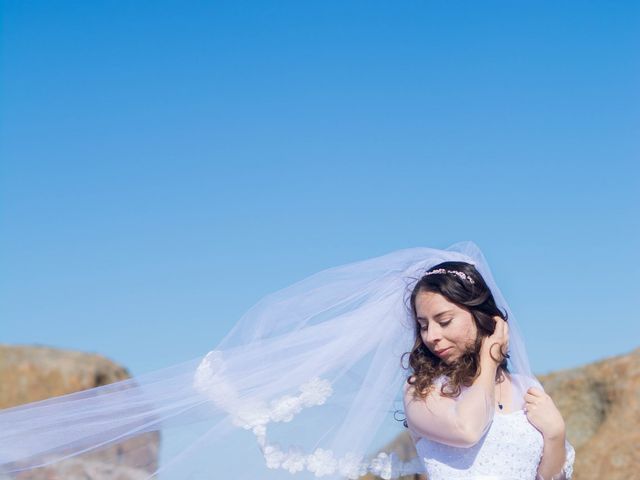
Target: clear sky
166	164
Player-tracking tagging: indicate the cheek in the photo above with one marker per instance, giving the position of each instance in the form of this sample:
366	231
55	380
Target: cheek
471	335
463	335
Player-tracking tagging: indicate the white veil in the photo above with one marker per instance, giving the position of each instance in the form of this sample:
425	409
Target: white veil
307	384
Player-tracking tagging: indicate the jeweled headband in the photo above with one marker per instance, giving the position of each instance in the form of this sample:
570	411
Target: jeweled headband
460	274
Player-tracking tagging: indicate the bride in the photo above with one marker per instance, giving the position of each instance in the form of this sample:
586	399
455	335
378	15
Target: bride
307	384
467	414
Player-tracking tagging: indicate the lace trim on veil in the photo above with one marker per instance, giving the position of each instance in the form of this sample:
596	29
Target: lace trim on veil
258	415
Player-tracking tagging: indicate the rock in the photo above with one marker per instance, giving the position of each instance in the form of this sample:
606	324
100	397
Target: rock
32	373
600	403
36	372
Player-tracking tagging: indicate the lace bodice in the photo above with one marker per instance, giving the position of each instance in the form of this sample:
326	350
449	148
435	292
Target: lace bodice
510	450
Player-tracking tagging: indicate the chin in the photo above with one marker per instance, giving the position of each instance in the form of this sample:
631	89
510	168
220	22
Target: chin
451	361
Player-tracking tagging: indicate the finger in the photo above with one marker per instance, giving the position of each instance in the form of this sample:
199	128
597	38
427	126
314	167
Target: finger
536	392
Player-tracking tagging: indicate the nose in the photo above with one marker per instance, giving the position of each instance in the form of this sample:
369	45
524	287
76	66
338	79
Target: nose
434	334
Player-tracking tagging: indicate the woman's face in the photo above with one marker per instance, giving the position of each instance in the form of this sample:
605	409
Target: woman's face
447	330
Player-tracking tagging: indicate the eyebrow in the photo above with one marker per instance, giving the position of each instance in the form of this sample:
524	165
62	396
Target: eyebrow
436	315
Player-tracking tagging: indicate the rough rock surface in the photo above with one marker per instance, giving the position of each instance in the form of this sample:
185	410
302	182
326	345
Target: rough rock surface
600	403
31	373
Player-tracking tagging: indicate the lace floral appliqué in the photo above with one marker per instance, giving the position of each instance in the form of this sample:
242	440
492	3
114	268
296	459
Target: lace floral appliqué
256	416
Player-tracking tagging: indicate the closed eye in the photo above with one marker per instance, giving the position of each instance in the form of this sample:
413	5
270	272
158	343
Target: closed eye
443	324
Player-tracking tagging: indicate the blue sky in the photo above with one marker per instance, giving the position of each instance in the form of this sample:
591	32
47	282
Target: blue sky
166	164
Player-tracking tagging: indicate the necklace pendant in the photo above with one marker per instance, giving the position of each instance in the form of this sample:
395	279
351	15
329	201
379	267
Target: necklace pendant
500	406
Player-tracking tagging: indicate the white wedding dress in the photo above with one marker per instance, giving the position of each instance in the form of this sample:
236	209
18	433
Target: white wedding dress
510	449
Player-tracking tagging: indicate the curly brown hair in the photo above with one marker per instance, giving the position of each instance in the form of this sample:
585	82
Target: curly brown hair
473	296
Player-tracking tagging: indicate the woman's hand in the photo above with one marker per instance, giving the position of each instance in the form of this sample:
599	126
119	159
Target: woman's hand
496	345
543	414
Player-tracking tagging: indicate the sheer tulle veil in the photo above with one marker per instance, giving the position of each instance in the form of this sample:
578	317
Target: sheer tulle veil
308	383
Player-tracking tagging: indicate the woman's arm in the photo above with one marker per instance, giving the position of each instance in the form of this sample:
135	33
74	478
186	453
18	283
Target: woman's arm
459	422
462	421
554	454
557	455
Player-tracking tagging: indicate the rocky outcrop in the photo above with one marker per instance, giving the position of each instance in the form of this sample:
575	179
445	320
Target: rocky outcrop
600	403
31	373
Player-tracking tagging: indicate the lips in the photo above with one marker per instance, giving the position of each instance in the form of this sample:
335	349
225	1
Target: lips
445	351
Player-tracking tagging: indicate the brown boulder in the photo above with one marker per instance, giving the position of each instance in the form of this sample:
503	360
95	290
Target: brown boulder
600	403
32	373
